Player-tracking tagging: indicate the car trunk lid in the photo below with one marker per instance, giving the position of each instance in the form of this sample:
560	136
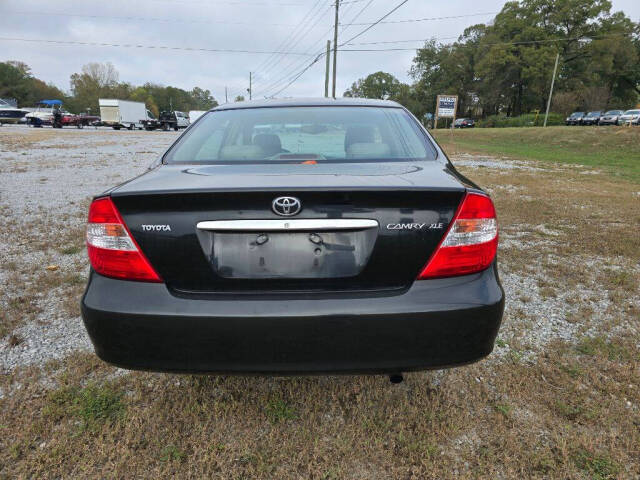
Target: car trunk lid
398	213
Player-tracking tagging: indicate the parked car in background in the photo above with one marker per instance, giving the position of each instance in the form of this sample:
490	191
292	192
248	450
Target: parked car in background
167	121
347	242
575	118
464	123
630	116
591	118
610	117
78	121
175	120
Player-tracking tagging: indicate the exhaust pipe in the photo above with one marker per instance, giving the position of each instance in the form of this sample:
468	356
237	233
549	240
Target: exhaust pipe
396	378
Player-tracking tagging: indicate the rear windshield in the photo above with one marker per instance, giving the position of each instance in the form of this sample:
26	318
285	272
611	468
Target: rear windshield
302	134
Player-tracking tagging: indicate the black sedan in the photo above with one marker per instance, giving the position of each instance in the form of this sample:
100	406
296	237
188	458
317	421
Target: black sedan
575	118
295	237
464	123
592	118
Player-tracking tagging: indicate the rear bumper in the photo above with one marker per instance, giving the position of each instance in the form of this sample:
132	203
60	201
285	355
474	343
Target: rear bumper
434	324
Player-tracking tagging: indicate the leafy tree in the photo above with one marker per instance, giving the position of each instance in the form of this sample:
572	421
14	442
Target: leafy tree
379	85
506	66
384	86
17	81
14	81
202	99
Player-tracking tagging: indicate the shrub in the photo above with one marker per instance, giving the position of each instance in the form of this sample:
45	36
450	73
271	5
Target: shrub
526	120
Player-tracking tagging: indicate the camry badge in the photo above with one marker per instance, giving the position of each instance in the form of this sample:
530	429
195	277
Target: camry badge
286	206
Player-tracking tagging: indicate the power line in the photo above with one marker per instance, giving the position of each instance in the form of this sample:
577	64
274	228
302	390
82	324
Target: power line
347	25
523	42
145	19
226	2
288	37
352	38
294	39
287	77
376	22
132	45
412	20
295	64
289	42
292	67
403	41
299	75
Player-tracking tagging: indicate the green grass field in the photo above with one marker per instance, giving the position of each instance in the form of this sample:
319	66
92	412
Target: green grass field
614	149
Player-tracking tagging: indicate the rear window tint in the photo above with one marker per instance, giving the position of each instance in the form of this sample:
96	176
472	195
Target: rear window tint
299	134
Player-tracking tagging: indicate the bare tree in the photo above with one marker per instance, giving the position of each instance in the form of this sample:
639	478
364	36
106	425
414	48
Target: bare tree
102	74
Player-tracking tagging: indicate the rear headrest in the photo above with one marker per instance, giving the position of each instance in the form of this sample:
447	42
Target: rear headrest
358	134
241	152
368	150
269	143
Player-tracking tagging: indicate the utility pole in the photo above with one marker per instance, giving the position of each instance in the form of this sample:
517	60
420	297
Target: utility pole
553	80
327	67
226	96
335	49
249	90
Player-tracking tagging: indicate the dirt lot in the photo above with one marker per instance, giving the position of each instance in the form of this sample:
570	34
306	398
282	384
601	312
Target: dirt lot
558	398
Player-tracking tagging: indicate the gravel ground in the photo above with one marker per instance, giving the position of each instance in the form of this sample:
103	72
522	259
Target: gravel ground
47	179
45	188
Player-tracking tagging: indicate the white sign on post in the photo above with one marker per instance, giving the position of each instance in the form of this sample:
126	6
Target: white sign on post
447	106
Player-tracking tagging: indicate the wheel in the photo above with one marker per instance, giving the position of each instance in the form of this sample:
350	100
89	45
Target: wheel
116	128
80	125
130	127
165	127
175	128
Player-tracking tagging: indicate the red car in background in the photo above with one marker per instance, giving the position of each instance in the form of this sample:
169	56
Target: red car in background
73	120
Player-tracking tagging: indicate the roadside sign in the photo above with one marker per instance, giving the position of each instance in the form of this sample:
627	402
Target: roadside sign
446	106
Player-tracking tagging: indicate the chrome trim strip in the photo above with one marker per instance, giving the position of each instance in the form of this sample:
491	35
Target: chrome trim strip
288	225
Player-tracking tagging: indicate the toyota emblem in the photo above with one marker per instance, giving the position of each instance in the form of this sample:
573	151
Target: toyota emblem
286	206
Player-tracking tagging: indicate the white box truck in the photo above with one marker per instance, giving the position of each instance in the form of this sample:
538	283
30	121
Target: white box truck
122	113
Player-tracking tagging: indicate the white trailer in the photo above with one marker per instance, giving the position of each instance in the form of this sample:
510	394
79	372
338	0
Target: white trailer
122	113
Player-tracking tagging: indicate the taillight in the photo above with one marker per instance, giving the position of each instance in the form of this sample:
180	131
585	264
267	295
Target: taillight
471	242
112	250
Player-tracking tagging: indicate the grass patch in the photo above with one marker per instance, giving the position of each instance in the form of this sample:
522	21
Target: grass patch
614	149
600	467
71	250
93	405
611	350
503	409
172	453
278	410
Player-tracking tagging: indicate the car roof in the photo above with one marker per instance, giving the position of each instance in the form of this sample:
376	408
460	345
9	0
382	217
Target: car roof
309	102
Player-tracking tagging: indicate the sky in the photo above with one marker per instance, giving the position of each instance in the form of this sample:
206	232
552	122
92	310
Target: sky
251	28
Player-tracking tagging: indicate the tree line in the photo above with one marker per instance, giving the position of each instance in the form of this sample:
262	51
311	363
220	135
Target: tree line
505	66
94	81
